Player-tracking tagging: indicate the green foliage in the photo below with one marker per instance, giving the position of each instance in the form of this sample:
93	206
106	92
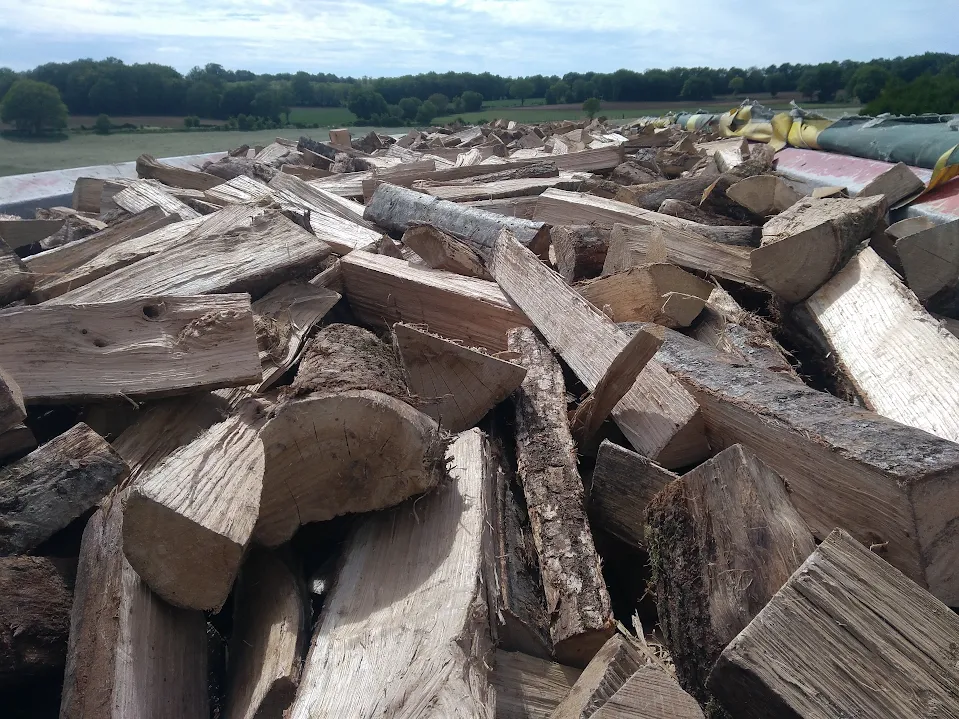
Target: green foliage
737	85
302	88
191	121
365	102
440	101
33	106
928	93
808	84
521	89
426	113
410	106
697	87
773	83
7	78
558	93
591	107
472	101
102	125
868	81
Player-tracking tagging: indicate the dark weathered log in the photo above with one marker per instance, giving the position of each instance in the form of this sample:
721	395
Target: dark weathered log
16	280
580	250
694	213
12	409
396	209
53	485
632	173
722	540
230	167
15	440
843	622
650	195
581	618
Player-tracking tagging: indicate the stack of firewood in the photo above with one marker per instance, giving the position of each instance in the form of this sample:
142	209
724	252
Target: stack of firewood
379	428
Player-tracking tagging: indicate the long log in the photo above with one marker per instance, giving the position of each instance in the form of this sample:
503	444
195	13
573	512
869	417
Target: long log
148	167
843	621
406	174
528	687
16	280
580	250
143	194
722	541
580	618
53	485
658	417
694	213
147	347
886	483
396	209
930	262
887	360
410	599
500	189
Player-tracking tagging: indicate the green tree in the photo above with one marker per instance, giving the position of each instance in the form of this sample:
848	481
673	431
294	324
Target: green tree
737	85
456	106
472	101
557	93
440	101
696	87
364	102
33	106
773	83
520	90
808	84
104	97
102	125
591	107
302	87
868	81
829	80
410	106
426	113
7	78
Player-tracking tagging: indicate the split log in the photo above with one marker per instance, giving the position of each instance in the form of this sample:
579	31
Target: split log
148	167
887	359
231	167
524	171
896	184
909	226
580	250
930	261
75	228
304	172
652	693
658	292
629	246
577	600
617	660
204	495
763	195
521	207
35	598
15	440
694	213
442	252
529	688
844	620
16	279
129	653
147	346
884	482
86	194
559	207
274	154
253	256
808	243
270	622
382	291
632	173
143	194
727	327
501	188
19	233
595	160
53	485
623	485
650	195
397	209
54	268
406	174
12	409
239	190
658	417
454	385
417	572
722	541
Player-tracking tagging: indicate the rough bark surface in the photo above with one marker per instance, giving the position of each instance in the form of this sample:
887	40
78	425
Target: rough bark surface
580	250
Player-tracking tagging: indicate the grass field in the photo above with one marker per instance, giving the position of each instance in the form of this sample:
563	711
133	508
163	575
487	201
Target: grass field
323	116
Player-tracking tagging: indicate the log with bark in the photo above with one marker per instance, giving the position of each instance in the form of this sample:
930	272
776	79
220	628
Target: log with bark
499	189
580	250
53	485
410	599
930	262
148	167
406	174
844	621
16	279
694	213
722	541
443	252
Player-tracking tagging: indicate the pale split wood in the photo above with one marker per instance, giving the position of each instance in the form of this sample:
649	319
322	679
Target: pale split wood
909	226
658	417
455	385
603	158
142	194
844	621
901	362
503	188
354	184
443	252
409	172
404	632
652	694
148	167
16	280
763	195
18	233
53	485
86	194
898	185
240	189
529	688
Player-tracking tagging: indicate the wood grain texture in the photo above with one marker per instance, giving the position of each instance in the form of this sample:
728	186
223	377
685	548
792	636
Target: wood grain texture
529	688
443	252
901	362
53	485
656	413
16	280
270	621
17	233
411	171
896	184
763	195
617	660
148	167
147	346
404	632
12	409
253	256
722	541
383	290
843	621
577	600
652	694
240	189
500	189
930	262
886	483
142	194
602	158
623	485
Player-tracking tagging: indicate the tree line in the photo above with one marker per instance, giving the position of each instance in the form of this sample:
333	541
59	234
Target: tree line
921	83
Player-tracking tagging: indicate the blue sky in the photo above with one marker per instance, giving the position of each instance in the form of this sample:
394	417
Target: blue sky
509	37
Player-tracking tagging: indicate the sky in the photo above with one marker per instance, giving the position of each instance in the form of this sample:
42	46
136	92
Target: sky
507	37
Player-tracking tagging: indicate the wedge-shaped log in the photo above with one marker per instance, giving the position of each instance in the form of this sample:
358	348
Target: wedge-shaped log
249	257
500	189
617	660
528	687
383	290
886	483
887	360
580	250
657	415
12	409
930	261
896	184
657	292
148	167
443	252
142	194
595	160
53	485
410	599
811	241
147	346
270	623
763	195
650	692
397	209
18	233
239	190
15	440
845	619
722	540
130	653
456	385
576	596
624	483
16	279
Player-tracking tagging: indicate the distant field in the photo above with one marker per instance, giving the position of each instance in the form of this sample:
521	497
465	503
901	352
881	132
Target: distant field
530	102
323	116
76	121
